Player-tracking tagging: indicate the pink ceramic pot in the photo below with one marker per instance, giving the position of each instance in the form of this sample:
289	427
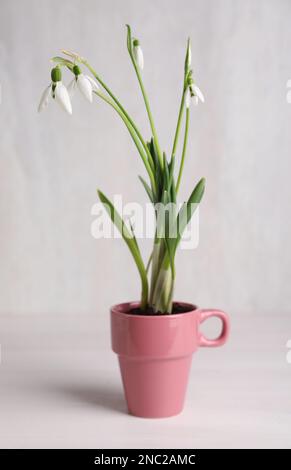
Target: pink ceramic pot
155	354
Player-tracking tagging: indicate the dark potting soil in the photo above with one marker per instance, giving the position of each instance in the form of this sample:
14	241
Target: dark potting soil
177	308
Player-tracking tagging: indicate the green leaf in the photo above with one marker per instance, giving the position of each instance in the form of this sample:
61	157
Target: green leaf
131	242
171	170
63	62
133	236
151	163
169	222
172	188
158	172
166	175
148	189
188	209
166	219
153	152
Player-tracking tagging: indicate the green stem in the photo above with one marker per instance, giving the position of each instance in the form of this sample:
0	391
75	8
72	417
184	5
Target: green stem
184	149
162	278
117	102
156	260
163	291
146	101
177	132
149	262
150	116
133	135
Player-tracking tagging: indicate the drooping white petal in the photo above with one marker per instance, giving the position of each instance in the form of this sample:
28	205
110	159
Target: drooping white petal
72	87
187	98
44	100
138	55
195	100
198	93
85	87
93	82
62	97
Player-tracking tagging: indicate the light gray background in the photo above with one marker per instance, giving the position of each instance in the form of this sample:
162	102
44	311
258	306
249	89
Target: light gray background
60	384
240	140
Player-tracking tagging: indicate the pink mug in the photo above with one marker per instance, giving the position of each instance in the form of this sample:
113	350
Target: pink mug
155	353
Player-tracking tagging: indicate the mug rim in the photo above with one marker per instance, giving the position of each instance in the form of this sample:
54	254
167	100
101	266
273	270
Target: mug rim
118	309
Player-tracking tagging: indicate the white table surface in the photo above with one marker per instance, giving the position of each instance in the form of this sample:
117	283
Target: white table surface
60	388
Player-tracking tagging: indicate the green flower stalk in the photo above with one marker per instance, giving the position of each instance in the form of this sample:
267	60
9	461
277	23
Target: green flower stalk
164	179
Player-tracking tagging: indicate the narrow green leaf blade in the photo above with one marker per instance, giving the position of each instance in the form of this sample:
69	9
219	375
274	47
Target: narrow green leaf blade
147	189
188	208
131	242
166	175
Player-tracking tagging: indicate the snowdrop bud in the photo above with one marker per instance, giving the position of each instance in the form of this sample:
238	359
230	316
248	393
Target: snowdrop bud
56	74
138	54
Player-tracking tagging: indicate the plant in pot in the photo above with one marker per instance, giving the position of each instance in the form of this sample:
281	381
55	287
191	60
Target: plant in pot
155	337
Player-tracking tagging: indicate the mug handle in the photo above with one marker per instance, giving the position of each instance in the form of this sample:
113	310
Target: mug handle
204	314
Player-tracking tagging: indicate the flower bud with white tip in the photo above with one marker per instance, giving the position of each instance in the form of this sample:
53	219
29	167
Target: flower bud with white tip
85	83
138	54
56	90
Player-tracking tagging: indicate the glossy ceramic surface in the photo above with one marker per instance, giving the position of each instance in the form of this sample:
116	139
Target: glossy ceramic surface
155	354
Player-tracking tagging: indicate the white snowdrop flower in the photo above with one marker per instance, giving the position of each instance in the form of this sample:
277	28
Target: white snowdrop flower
84	83
194	94
56	90
198	93
138	54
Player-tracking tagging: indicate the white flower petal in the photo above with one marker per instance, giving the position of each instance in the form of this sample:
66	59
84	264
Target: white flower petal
93	82
72	88
63	98
85	87
195	100
187	98
138	55
198	93
44	100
